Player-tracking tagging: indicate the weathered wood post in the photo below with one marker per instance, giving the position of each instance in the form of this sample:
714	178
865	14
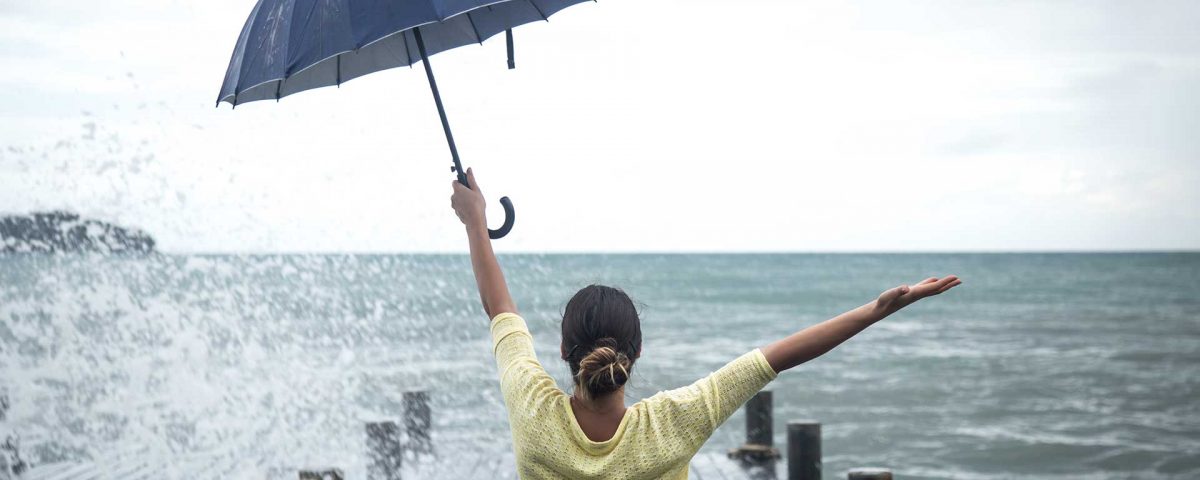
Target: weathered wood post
383	451
758	420
417	422
804	450
758	453
869	474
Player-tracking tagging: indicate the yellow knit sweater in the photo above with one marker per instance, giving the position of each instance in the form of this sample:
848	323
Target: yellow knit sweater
656	439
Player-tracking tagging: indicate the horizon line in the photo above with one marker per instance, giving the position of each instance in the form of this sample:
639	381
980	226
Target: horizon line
697	252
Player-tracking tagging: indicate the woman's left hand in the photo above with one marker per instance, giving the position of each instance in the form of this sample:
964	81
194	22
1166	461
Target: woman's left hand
468	203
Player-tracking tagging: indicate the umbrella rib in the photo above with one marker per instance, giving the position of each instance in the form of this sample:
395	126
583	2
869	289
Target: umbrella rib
268	31
407	53
236	73
539	10
474	29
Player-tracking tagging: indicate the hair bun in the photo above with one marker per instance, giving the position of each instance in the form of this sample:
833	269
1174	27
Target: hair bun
605	369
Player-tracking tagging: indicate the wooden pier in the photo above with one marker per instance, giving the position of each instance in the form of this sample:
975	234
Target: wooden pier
389	443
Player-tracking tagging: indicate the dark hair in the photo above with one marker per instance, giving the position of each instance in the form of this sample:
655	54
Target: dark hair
602	336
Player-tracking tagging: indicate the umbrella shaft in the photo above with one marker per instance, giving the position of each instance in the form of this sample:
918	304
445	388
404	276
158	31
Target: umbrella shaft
437	98
508	41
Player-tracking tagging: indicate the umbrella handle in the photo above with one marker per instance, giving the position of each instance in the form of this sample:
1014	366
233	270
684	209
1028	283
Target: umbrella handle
510	215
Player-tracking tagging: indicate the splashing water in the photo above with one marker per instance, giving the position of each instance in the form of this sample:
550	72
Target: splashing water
258	366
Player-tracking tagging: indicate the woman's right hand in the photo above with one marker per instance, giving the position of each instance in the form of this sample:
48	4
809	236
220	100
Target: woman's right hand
468	203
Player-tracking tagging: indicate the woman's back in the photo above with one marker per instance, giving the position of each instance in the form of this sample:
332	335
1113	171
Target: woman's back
656	438
601	341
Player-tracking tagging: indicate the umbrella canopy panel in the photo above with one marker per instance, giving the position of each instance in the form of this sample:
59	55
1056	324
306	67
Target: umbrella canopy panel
288	46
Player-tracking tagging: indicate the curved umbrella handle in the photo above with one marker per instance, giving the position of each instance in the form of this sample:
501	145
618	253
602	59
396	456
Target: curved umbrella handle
509	217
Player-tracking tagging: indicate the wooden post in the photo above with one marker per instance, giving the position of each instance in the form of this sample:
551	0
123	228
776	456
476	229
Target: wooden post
804	450
758	420
869	474
383	451
758	454
417	420
759	447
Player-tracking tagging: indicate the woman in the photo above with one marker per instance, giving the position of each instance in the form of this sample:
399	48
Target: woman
591	434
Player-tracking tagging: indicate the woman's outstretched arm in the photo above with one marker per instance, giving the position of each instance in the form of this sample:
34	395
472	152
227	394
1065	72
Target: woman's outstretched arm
818	339
468	204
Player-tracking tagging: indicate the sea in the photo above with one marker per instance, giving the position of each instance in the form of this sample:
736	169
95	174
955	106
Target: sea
1057	365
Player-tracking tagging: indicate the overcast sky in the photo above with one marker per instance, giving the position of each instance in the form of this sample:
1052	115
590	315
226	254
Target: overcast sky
632	125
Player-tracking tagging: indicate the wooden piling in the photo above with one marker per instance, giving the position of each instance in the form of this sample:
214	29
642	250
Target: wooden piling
759	448
804	450
417	422
758	420
869	474
383	451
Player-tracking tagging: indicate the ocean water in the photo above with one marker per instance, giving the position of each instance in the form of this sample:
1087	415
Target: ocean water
1038	366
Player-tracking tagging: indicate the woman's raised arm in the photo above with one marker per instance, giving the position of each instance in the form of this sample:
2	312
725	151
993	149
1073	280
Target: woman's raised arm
468	204
818	339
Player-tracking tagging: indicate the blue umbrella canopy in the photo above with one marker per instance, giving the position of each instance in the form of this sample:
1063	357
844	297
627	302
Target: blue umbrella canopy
289	46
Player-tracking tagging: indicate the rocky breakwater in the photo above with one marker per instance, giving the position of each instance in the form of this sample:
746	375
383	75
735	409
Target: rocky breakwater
53	232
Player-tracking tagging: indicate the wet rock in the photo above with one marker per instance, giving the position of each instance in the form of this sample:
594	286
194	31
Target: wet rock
58	231
10	458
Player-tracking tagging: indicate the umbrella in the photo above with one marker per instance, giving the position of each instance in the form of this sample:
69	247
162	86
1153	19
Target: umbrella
288	46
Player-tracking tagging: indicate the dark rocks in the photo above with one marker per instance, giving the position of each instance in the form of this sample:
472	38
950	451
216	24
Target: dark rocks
10	457
51	232
326	474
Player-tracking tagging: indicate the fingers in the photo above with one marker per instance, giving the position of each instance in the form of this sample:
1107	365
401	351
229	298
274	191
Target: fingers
945	284
934	285
927	288
953	284
456	197
471	180
466	201
458	191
